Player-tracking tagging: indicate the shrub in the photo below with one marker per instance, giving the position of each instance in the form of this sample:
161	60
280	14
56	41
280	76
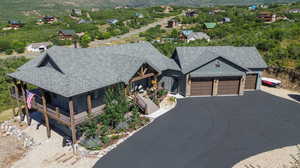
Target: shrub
9	51
4	45
116	105
85	40
105	139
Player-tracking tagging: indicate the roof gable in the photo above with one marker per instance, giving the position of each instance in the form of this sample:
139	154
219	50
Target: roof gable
192	57
48	62
218	67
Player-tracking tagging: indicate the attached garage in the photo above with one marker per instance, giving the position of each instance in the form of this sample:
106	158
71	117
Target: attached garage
201	86
228	86
251	80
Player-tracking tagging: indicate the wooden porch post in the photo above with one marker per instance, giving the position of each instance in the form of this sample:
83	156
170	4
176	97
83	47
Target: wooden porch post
46	114
18	100
89	104
73	129
155	87
17	97
23	87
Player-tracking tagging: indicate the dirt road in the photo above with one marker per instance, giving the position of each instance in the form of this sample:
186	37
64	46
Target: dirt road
162	21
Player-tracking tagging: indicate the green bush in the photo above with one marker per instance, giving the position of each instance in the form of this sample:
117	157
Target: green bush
9	51
85	40
5	45
7	66
105	139
116	105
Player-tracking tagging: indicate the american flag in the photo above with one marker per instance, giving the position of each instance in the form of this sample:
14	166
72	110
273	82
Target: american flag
29	98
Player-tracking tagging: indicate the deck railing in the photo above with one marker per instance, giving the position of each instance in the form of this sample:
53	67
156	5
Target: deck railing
58	113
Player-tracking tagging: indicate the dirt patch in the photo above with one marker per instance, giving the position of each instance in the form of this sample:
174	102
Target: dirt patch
11	150
277	158
290	78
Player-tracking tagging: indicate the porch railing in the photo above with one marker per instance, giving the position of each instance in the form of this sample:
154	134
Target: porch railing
58	113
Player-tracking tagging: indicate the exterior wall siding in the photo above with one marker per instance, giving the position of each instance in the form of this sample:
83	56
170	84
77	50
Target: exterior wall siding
80	101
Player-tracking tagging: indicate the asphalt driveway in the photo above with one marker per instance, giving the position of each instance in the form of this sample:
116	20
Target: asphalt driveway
214	132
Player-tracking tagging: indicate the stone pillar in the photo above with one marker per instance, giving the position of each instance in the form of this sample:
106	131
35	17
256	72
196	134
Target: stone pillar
242	85
215	87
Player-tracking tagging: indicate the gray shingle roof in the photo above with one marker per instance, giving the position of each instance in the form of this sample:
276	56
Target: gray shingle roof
68	32
198	35
192	57
70	71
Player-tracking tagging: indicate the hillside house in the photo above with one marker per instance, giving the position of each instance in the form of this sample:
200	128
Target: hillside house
83	21
252	7
189	35
210	25
15	24
216	11
226	20
167	9
184	34
197	36
139	15
70	83
267	17
172	23
66	34
39	21
112	21
293	11
49	19
191	13
76	12
38	47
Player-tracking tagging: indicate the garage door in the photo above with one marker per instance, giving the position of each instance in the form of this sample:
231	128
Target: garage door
201	87
229	86
250	83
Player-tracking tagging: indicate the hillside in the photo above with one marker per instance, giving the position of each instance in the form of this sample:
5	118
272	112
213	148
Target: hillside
18	8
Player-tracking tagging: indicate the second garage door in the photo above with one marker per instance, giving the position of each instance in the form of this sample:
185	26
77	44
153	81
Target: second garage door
201	87
229	86
251	80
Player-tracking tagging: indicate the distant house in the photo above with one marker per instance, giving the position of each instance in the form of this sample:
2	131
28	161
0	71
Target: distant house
172	23
184	34
252	7
76	12
294	11
226	20
139	15
267	17
66	34
83	21
38	47
263	6
210	25
49	19
112	21
167	9
15	24
197	36
39	22
191	13
214	11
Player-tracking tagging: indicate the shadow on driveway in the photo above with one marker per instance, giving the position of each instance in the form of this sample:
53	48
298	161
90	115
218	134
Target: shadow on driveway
213	132
295	97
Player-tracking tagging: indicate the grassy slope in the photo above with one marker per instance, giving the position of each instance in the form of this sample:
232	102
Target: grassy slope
11	9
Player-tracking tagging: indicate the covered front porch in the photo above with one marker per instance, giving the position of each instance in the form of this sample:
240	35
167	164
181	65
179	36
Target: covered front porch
40	103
